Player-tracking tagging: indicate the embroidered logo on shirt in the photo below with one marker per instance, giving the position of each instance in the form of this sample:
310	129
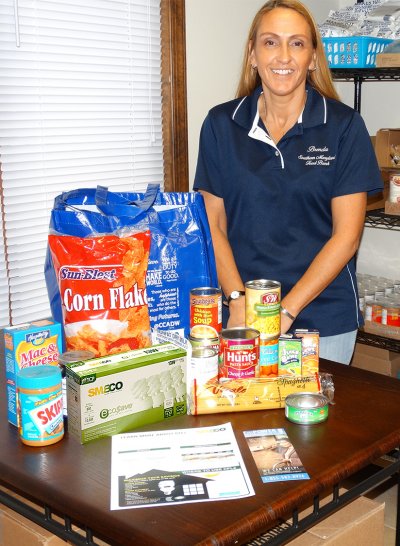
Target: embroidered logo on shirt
317	156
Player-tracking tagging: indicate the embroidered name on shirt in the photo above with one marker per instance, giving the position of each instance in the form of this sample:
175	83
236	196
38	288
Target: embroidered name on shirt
316	156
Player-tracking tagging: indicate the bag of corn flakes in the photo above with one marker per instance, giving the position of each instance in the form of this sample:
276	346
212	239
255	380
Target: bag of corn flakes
120	266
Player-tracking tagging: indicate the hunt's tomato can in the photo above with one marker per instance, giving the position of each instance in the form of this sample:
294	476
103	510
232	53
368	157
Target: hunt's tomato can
239	353
205	312
263	304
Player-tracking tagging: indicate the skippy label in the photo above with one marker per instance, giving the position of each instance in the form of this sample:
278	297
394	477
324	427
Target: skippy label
102	285
41	416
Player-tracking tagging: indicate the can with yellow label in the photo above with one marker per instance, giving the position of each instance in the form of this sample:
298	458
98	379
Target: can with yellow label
263	302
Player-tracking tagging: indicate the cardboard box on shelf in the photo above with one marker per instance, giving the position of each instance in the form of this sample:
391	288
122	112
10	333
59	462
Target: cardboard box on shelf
392	332
377	352
360	522
387	60
376	359
385	138
392	208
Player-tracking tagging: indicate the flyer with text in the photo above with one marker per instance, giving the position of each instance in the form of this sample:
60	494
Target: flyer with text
177	466
274	455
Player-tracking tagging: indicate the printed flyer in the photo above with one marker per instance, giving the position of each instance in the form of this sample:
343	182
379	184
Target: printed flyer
177	466
274	455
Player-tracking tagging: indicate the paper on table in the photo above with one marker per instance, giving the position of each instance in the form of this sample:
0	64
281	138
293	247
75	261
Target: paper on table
177	466
274	455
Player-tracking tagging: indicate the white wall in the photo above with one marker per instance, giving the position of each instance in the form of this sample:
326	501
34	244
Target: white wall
216	33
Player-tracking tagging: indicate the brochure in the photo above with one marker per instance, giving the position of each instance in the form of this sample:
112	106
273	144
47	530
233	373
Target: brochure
274	455
177	466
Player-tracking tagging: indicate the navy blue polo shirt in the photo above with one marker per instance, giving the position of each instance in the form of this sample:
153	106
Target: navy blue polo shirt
278	197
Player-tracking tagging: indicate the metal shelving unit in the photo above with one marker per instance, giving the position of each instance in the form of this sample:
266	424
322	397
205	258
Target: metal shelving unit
378	341
360	75
374	218
380	220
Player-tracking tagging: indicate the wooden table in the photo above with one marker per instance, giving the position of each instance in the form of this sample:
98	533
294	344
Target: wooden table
74	480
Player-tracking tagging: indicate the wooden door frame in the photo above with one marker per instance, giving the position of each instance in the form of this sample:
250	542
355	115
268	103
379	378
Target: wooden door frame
173	92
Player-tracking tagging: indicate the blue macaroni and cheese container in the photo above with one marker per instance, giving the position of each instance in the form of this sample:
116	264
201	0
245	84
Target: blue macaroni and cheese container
40	405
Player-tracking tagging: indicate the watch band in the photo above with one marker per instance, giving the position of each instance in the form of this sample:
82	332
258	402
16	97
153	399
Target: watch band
284	311
239	292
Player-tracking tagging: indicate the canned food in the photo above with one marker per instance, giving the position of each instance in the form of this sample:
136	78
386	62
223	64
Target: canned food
197	342
376	312
268	361
306	408
394	188
391	314
204	365
205	312
263	302
239	353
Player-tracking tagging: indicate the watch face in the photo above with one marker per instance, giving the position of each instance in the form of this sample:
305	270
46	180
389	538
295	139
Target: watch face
235	294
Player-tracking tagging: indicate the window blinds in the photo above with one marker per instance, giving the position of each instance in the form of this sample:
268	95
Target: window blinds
80	105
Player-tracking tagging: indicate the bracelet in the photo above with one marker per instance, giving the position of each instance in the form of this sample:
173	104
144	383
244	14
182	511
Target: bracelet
286	312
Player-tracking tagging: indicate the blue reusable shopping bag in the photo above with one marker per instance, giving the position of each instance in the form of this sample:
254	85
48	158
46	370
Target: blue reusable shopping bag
181	253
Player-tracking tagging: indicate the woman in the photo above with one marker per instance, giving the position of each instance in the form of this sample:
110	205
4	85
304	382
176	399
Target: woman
284	170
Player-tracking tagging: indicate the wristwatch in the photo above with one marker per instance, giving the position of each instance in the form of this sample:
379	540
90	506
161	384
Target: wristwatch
235	295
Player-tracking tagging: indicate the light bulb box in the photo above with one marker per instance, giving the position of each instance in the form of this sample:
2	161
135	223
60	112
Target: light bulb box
118	393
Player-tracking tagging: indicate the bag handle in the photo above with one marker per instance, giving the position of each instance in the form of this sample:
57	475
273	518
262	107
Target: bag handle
117	205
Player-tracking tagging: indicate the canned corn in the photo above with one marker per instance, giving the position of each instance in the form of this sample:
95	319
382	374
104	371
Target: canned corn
263	301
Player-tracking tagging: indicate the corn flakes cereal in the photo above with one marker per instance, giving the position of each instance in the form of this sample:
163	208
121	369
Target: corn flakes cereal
102	283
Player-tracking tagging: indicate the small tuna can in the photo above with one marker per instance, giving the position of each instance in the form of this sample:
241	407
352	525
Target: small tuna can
40	405
239	353
306	408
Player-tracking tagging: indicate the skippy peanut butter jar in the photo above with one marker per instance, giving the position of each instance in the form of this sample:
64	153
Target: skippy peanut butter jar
28	345
40	405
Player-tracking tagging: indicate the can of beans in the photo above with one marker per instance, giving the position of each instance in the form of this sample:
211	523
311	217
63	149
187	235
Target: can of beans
205	312
263	302
239	353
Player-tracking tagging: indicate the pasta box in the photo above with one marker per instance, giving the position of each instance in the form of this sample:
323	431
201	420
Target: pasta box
29	344
118	393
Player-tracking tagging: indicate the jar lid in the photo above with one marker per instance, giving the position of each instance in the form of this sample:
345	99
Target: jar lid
38	377
75	356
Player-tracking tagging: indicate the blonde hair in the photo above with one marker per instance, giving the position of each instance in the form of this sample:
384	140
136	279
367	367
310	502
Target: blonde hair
320	78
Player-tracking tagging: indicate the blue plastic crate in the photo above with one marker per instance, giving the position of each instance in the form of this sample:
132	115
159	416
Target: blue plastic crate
353	51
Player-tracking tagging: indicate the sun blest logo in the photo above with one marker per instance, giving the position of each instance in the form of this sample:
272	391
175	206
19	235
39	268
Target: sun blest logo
88	273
